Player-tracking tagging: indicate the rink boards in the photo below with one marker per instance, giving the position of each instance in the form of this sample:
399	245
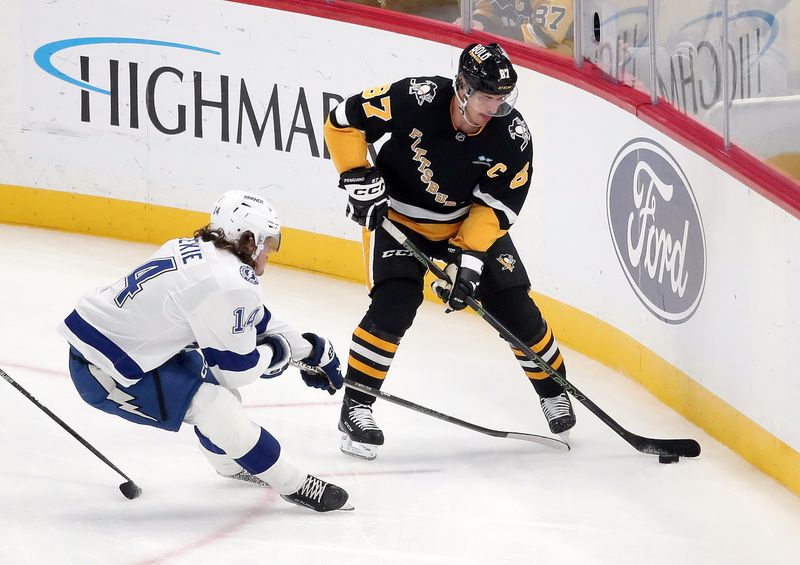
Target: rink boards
644	253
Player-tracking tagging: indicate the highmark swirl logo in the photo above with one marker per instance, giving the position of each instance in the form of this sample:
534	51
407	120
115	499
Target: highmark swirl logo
657	230
44	54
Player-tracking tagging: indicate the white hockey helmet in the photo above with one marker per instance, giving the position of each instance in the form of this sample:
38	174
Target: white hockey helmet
237	211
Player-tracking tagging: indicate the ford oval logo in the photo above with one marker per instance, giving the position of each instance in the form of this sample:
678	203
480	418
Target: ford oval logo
657	230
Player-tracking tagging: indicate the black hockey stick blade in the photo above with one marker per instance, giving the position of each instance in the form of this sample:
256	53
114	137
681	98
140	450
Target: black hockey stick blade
129	489
533	438
546	441
681	447
650	446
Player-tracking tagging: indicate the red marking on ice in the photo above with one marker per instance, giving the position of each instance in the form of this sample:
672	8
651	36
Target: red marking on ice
264	504
292	404
397	472
50	372
65	374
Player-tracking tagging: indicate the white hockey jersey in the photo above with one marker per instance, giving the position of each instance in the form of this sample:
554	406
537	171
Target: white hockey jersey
187	294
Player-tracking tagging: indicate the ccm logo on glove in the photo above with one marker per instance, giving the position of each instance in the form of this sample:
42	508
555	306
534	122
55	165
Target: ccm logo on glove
367	202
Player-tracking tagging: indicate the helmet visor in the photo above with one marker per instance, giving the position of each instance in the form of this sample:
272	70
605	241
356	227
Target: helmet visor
495	105
272	242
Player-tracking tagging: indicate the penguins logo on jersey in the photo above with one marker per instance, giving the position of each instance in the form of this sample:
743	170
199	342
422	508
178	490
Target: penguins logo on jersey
519	128
508	261
424	91
248	274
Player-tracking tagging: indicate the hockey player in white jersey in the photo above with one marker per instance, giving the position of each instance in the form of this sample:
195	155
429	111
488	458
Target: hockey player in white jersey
171	342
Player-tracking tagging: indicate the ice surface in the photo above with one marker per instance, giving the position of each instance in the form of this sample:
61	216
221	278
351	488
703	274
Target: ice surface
437	493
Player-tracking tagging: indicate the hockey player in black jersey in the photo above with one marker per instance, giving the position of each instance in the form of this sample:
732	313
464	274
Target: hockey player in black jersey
452	173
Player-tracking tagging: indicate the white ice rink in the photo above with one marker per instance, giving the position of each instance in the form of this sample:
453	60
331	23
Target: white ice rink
436	494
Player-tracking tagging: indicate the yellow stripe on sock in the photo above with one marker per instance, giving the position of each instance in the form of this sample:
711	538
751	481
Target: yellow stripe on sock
539	375
366	369
374	340
536	347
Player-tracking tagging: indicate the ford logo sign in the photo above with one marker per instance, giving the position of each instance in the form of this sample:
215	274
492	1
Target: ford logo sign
657	231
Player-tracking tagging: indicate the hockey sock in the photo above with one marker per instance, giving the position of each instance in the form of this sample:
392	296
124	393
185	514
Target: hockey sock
546	347
222	463
371	355
283	476
224	429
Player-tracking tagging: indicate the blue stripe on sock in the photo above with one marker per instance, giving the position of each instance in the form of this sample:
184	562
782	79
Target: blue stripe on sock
263	455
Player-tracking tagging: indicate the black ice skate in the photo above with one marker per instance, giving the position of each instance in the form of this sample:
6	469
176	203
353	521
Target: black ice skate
319	496
360	434
559	413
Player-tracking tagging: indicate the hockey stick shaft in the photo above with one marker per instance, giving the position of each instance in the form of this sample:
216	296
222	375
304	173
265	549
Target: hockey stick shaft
73	433
682	447
534	438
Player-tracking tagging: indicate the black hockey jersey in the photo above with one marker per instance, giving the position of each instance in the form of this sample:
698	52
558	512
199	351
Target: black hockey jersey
442	183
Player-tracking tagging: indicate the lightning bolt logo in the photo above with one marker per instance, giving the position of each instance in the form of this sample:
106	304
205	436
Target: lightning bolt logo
120	397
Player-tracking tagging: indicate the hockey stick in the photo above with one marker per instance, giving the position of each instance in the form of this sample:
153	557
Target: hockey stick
667	447
130	489
533	438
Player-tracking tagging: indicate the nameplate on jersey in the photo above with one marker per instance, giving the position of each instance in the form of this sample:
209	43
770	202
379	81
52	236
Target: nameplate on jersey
189	250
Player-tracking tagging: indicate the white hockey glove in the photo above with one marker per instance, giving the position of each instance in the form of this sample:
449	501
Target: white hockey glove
323	357
464	274
367	202
281	354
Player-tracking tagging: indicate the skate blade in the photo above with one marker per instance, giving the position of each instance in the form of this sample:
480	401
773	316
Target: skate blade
564	436
358	450
346	508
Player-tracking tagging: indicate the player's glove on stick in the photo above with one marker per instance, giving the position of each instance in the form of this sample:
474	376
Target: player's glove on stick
323	357
281	354
367	202
464	274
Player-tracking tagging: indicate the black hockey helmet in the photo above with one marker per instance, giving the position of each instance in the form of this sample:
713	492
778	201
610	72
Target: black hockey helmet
487	68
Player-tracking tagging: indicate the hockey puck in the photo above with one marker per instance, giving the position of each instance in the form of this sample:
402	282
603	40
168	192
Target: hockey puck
668	459
130	490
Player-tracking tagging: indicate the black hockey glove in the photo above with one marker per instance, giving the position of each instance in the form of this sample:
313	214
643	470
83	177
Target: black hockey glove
463	274
323	357
281	354
367	202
